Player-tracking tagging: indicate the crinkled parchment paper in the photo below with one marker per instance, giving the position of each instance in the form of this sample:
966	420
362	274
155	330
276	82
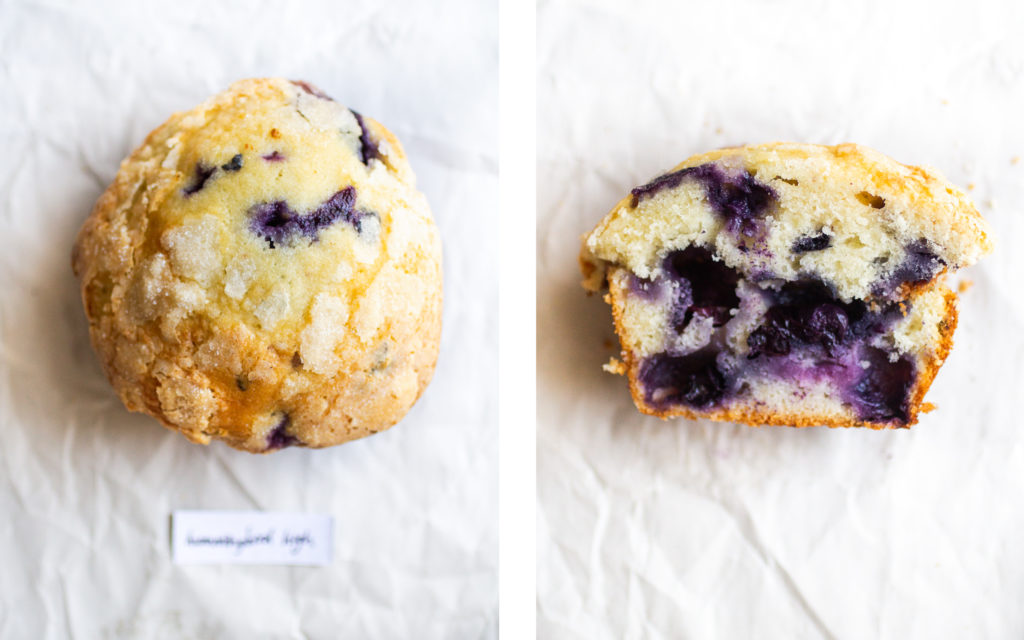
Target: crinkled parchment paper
651	529
86	488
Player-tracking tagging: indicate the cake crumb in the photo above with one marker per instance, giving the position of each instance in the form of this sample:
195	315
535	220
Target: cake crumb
964	286
615	366
1015	160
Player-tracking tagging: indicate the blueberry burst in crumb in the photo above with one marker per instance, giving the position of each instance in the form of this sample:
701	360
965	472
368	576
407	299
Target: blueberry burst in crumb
737	197
279	437
279	224
805	333
785	284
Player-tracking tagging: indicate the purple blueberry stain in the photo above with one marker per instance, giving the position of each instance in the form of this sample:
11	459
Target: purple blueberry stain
694	380
368	149
919	265
276	156
234	164
644	288
202	174
279	224
279	437
812	243
738	197
882	392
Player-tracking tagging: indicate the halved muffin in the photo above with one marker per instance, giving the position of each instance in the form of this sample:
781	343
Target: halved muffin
785	284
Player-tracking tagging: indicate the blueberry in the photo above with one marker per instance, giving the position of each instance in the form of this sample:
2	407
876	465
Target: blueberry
278	223
694	380
234	165
311	89
706	286
739	198
279	438
806	292
775	337
667	181
919	265
340	206
276	156
827	325
368	149
203	174
812	243
806	313
882	393
275	221
878	321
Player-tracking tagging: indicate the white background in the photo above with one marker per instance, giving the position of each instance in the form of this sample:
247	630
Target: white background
86	488
651	529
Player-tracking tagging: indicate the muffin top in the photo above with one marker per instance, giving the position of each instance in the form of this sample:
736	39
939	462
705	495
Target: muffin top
845	214
264	271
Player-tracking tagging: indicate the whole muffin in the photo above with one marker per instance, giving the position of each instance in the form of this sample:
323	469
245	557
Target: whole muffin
263	271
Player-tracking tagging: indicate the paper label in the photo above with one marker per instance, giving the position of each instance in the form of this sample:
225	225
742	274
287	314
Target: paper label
251	537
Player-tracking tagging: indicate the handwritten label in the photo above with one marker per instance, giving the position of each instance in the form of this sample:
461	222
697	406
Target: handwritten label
251	537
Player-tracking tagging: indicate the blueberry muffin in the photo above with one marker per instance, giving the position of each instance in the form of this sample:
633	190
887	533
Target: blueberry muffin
263	271
785	284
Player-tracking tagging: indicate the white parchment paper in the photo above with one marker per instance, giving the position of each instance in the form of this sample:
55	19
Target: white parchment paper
86	489
651	529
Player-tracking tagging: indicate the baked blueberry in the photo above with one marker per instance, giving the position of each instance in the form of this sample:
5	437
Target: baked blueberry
279	224
367	146
201	173
816	242
738	197
279	438
234	164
